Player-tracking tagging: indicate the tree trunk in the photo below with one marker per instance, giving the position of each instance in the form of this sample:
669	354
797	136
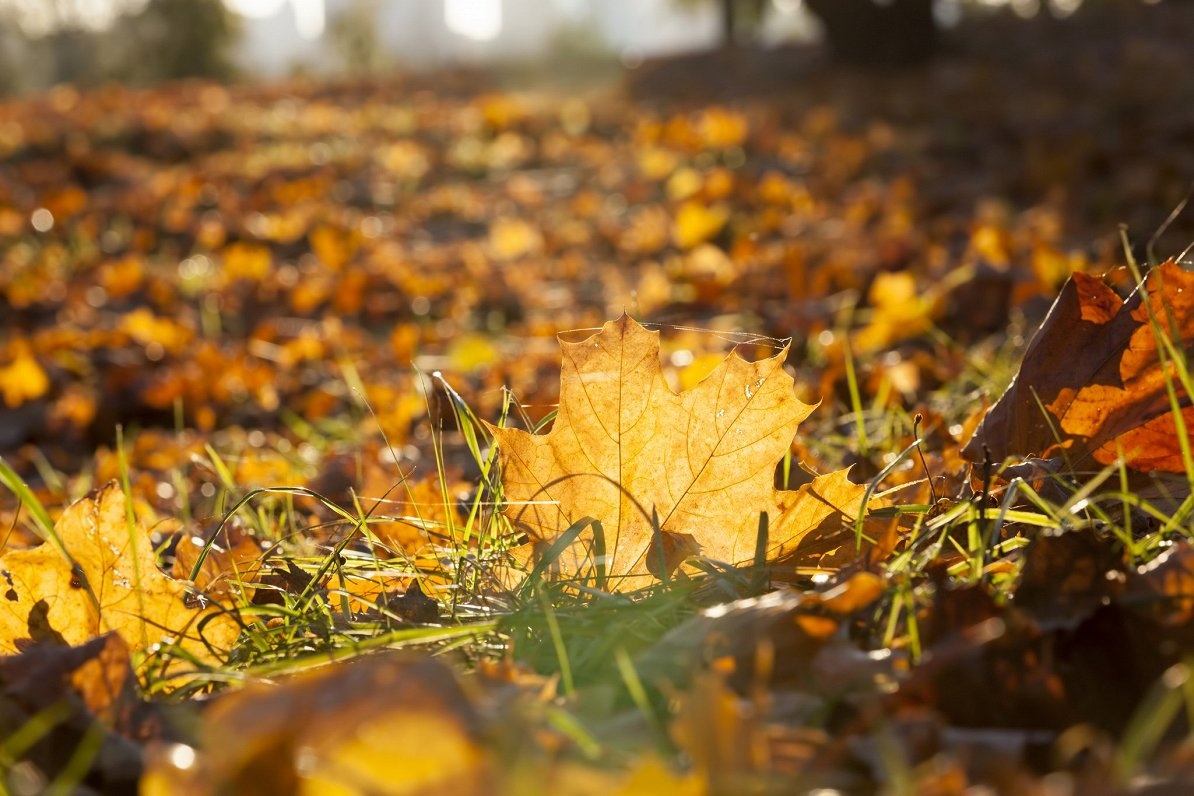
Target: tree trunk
729	32
741	19
872	32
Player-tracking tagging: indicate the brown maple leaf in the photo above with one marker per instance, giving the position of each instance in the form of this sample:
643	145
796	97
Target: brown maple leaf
1094	369
104	578
666	475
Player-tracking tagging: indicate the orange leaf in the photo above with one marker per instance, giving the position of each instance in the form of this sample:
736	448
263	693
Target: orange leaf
110	582
624	449
244	260
1094	367
334	246
232	565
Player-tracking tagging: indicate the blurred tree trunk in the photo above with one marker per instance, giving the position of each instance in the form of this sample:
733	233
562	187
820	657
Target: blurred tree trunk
73	52
182	38
874	32
740	20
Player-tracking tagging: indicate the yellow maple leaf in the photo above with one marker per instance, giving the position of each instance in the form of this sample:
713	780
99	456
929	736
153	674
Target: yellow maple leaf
23	379
243	260
627	451
151	330
900	312
104	578
696	223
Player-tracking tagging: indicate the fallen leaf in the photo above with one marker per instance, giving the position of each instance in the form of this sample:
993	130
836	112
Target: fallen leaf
722	732
335	247
900	312
23	379
1164	588
388	723
511	238
653	776
1094	368
249	261
1067	576
76	695
231	564
696	223
627	451
109	582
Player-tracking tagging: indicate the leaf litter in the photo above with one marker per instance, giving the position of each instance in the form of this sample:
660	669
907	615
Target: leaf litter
965	647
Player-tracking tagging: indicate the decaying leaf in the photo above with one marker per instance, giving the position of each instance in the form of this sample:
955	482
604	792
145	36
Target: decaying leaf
1093	384
1165	587
627	451
107	580
75	693
1078	620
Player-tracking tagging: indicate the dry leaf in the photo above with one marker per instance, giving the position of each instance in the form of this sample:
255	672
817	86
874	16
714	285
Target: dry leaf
109	583
696	223
75	695
232	564
23	379
1165	587
511	238
624	449
387	723
1094	367
900	311
335	247
244	260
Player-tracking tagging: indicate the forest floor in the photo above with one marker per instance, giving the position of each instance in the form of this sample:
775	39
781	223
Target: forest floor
284	317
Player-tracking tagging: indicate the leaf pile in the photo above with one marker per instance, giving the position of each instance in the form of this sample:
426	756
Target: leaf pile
218	255
242	278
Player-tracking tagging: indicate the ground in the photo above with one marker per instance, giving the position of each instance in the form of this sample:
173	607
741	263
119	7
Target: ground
326	286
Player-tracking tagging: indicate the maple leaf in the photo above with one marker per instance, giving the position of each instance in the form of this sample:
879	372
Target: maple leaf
627	451
1094	368
104	578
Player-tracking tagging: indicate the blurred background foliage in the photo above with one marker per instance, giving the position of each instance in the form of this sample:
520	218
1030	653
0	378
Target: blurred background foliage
139	42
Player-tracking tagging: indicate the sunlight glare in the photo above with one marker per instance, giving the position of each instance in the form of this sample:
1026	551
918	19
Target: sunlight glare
309	18
254	9
479	20
309	15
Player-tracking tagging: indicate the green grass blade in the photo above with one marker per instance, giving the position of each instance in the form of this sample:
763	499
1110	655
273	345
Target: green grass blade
43	525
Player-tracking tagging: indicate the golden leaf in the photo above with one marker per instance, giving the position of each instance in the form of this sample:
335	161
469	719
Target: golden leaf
696	223
334	246
899	312
107	580
23	379
153	331
511	238
388	723
626	450
243	260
